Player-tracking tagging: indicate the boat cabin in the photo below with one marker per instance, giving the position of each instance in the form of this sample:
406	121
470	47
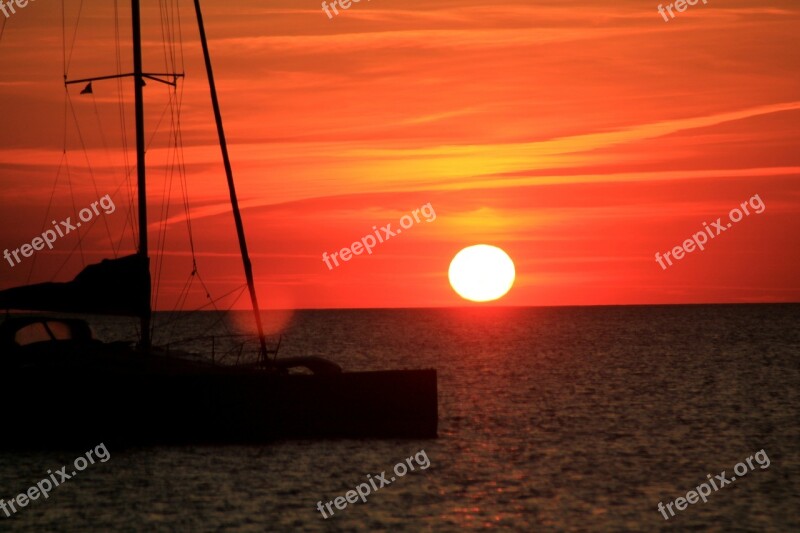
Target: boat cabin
19	332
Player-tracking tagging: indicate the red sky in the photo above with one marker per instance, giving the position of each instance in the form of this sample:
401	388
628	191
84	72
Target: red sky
581	137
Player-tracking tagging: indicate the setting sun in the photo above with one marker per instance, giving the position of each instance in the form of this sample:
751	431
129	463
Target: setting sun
481	273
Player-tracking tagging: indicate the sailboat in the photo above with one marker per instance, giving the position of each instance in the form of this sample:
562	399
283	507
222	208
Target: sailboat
68	387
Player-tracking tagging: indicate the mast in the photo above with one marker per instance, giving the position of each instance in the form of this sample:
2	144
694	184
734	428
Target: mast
237	216
139	76
138	84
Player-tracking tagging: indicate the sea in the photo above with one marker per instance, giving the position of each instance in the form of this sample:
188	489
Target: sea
550	419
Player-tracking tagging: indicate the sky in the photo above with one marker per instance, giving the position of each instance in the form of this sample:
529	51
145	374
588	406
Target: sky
581	137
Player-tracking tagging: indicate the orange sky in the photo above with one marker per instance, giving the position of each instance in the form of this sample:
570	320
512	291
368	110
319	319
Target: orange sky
581	137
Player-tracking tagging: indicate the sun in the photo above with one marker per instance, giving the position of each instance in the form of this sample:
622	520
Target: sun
481	273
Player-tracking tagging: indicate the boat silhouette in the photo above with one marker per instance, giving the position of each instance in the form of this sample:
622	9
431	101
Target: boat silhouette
74	389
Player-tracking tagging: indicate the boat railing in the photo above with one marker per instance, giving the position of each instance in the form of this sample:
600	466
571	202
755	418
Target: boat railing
221	350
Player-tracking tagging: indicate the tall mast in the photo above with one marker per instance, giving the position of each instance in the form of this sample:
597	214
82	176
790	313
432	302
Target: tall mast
138	84
139	76
237	216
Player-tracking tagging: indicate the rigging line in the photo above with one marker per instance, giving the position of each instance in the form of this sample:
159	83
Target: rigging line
63	160
88	164
115	249
64	38
118	249
124	128
175	33
184	293
71	192
74	36
163	229
161	241
58	173
74	210
3	28
128	218
165	34
107	151
172	322
169	12
169	180
222	315
211	301
182	174
173	157
175	162
173	43
175	117
131	211
79	244
180	34
47	213
130	169
254	338
178	163
66	120
153	134
176	106
158	126
184	181
180	302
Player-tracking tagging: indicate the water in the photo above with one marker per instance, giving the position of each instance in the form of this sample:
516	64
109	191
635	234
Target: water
579	419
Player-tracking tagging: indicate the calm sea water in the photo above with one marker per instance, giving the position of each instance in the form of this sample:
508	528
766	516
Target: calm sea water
580	419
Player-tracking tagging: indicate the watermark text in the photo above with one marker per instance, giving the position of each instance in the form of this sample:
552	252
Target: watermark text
370	241
45	486
699	239
365	489
703	490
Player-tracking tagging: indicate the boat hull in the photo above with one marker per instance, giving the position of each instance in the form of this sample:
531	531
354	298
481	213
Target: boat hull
245	406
